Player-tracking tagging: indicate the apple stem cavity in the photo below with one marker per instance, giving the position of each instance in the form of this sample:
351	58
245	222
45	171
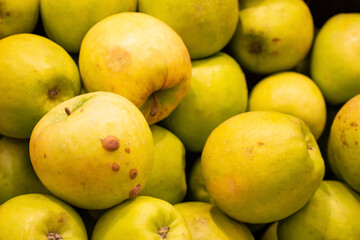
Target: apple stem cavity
156	105
163	232
255	48
54	236
53	93
67	111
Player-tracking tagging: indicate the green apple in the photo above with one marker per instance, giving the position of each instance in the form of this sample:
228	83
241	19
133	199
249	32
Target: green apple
93	151
139	57
294	94
217	92
142	218
343	143
261	166
66	22
332	213
271	232
272	35
38	216
335	59
205	221
17	176
18	16
197	190
36	74
205	26
167	180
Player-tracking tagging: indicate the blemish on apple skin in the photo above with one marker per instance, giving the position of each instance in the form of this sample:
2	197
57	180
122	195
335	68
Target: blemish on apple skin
115	167
110	143
135	191
133	173
356	143
61	220
353	124
276	40
127	150
44	155
260	143
309	148
67	111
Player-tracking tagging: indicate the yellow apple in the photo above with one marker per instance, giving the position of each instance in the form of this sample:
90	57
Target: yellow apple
261	166
36	74
66	22
139	57
167	180
272	35
93	151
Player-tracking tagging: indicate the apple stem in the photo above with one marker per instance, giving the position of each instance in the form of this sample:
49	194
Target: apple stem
67	111
54	236
163	232
156	105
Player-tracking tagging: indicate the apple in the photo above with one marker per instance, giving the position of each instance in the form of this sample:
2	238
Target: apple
93	151
294	94
17	176
261	166
66	22
217	92
197	190
343	143
205	26
36	74
272	35
271	232
139	57
332	213
334	60
205	221
167	180
142	218
38	216
18	16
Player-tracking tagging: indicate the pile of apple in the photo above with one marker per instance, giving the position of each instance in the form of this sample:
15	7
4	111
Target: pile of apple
172	119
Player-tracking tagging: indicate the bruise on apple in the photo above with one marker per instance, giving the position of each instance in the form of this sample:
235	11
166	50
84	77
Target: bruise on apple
133	173
110	143
135	191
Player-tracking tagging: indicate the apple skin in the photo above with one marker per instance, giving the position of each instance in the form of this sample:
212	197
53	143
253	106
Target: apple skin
343	143
38	216
335	59
139	57
272	35
141	218
167	180
197	190
294	94
205	221
261	166
17	176
66	22
271	232
205	26
105	154
332	213
217	92
18	16
36	74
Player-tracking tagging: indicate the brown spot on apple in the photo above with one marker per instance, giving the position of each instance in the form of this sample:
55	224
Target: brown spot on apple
67	111
309	148
260	143
135	191
133	173
276	40
127	150
117	59
353	124
115	167
110	143
44	155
